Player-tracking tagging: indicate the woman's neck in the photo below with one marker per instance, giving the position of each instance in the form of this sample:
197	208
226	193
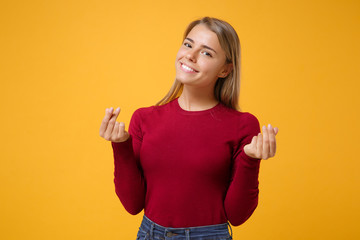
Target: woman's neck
194	100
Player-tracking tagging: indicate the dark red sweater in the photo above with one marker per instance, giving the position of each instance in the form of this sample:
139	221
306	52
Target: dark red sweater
188	168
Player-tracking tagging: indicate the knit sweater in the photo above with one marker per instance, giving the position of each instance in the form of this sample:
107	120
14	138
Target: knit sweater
188	168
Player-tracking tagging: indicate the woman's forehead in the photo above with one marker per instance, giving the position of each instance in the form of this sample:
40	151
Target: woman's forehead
202	35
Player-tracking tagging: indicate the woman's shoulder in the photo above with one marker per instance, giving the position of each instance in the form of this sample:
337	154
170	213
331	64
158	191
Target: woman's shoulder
242	123
149	110
239	115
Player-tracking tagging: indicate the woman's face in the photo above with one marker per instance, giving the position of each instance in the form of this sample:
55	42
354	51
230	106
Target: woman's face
200	60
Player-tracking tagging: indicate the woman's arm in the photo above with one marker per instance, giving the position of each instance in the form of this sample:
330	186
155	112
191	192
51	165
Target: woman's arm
242	196
129	180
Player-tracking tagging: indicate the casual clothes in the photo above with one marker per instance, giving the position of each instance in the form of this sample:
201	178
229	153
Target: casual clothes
150	230
188	168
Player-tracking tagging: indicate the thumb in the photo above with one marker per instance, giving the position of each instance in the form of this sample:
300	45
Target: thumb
122	134
248	147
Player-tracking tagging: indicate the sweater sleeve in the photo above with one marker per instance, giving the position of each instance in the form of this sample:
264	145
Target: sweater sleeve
242	196
129	179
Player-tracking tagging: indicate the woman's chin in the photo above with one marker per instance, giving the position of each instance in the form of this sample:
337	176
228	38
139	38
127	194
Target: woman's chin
184	81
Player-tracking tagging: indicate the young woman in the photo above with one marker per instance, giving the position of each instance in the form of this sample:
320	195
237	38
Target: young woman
192	160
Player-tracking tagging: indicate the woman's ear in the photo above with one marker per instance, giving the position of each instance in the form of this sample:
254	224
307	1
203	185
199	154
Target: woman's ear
226	70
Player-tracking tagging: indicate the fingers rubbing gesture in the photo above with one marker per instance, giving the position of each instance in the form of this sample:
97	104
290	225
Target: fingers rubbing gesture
263	146
112	130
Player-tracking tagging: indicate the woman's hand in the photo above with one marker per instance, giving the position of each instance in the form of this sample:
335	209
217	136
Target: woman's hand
112	130
263	147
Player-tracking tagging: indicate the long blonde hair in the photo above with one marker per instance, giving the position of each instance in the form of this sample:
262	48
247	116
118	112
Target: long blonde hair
226	90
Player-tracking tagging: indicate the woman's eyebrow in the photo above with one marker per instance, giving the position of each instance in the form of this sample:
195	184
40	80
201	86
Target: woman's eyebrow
204	46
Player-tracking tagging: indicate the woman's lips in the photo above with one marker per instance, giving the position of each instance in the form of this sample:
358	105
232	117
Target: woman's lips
187	69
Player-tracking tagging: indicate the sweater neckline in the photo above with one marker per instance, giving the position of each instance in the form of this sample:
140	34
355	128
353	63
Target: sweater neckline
200	112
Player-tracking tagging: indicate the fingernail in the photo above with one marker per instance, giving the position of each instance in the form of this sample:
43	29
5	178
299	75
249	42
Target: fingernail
264	128
269	126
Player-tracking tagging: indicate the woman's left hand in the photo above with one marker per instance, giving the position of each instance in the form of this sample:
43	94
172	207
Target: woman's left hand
263	147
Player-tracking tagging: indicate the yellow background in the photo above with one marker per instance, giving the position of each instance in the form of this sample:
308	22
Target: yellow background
64	62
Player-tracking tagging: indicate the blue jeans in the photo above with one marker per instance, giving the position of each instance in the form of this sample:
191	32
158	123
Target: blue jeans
149	230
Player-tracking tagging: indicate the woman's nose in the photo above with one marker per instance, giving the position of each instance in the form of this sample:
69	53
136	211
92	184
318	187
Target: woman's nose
191	55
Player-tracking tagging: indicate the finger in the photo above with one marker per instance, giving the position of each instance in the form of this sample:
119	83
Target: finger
111	124
266	145
259	145
276	130
105	122
114	135
272	140
121	131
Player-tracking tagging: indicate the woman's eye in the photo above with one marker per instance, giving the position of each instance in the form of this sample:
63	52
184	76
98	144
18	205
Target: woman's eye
207	54
187	45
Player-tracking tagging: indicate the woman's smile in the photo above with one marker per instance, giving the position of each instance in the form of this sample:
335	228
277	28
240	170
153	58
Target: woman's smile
187	69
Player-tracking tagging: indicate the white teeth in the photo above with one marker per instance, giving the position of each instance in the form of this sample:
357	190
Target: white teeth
187	68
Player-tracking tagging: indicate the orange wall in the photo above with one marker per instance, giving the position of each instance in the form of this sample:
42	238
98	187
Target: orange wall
64	62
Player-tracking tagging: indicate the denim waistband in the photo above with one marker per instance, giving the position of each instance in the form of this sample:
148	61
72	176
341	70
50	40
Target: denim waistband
156	231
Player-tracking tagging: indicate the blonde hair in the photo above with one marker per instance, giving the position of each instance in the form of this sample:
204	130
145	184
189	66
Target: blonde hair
226	90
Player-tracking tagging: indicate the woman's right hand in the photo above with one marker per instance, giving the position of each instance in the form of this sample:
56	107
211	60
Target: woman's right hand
112	130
